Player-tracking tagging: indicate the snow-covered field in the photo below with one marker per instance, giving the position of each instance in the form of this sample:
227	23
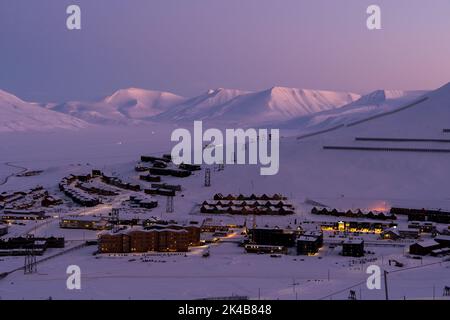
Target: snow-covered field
228	271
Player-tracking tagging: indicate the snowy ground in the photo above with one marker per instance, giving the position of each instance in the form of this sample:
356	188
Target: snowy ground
228	271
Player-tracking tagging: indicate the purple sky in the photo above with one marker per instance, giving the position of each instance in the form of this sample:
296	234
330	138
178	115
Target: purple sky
188	46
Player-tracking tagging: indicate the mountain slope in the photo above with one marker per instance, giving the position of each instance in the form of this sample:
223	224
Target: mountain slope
427	118
203	106
138	103
123	107
18	115
379	97
374	103
277	103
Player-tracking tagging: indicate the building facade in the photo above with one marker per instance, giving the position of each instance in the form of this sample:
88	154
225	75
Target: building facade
141	241
353	248
84	222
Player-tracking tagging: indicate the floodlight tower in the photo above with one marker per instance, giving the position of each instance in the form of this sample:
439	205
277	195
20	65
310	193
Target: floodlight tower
30	265
169	206
207	177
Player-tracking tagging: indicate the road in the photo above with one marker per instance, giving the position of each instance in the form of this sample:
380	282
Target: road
9	164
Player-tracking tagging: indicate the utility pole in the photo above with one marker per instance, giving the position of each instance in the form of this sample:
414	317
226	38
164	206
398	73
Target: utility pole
207	177
30	262
294	287
115	219
169	206
446	291
352	295
386	285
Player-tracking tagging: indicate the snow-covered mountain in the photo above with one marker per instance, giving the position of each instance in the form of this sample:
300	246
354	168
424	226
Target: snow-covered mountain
140	104
379	97
302	110
368	105
244	108
122	107
201	107
18	115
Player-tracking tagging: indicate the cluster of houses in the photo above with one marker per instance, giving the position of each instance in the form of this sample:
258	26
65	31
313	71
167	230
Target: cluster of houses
165	158
133	211
350	226
150	178
279	240
213	226
246	207
155	173
396	233
10	197
116	182
78	196
26	205
375	215
51	201
177	173
264	197
85	222
86	191
284	237
150	238
437	216
423	226
26	245
32	214
309	244
163	189
160	166
28	199
141	201
95	188
438	246
190	167
123	217
31	173
412	231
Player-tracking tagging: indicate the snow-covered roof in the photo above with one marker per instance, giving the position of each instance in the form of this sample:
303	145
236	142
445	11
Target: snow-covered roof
312	234
408	230
441	251
443	237
84	218
141	229
353	241
427	243
309	239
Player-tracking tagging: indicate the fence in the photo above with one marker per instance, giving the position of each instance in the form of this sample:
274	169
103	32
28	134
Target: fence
384	149
388	113
401	140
